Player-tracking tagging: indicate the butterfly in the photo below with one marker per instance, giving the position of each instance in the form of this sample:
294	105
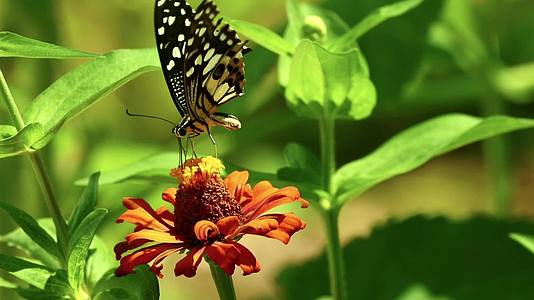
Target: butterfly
202	62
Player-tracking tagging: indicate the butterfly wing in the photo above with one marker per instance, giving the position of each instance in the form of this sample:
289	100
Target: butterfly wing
214	62
172	20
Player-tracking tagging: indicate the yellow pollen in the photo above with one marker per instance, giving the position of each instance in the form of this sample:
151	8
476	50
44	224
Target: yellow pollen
197	169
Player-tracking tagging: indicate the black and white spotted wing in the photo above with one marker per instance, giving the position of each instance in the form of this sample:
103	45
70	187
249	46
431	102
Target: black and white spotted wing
201	58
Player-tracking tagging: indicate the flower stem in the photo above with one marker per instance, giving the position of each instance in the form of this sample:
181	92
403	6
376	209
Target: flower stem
40	172
223	282
330	210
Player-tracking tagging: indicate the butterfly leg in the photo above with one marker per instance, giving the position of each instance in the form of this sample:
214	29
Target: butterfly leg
213	141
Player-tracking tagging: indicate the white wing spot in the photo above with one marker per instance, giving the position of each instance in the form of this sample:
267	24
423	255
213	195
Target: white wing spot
187	23
206	46
176	52
171	20
182	11
213	62
181	38
161	30
165	20
161	2
190	72
170	65
198	61
230	42
190	41
202	31
176	3
223	37
209	54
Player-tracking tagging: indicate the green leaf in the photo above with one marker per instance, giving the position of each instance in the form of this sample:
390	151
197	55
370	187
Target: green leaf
142	285
101	259
262	36
6	284
526	241
324	83
86	204
155	167
22	141
7	131
32	229
34	274
417	145
82	87
14	45
471	259
58	284
374	19
20	240
298	156
79	247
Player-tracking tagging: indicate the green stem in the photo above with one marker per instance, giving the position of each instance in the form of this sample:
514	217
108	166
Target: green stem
223	282
40	172
330	210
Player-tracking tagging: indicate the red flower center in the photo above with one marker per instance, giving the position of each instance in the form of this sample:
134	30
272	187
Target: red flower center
202	195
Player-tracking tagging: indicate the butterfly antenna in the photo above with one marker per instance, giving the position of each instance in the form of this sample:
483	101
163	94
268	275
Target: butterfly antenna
149	117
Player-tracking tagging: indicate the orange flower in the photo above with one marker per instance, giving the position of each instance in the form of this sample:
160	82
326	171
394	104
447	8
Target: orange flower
210	216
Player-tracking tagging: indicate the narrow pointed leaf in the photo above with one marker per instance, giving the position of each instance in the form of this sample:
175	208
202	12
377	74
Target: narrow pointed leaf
525	240
7	131
142	285
32	228
21	241
14	45
34	274
374	19
79	246
86	204
417	145
85	85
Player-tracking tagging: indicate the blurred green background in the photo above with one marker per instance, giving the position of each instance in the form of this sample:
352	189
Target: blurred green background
433	60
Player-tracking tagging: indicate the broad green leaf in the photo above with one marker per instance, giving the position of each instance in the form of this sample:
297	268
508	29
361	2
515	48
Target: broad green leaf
7	131
297	15
298	156
417	145
32	229
82	87
14	45
32	273
327	84
472	259
22	141
115	294
262	36
38	294
419	292
304	168
155	167
526	240
79	247
86	204
20	240
516	83
142	285
374	19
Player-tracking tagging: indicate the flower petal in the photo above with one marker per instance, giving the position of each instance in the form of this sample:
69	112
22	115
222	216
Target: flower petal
140	213
276	226
188	265
229	254
228	225
267	197
205	230
234	181
143	256
123	247
169	195
153	235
